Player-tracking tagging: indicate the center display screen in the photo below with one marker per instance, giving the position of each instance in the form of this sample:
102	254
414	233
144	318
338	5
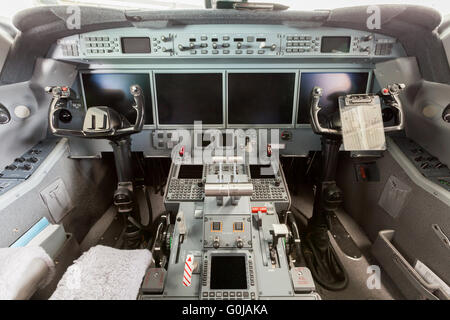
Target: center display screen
260	98
228	272
113	90
187	97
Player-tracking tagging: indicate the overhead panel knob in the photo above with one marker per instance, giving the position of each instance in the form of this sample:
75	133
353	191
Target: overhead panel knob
165	39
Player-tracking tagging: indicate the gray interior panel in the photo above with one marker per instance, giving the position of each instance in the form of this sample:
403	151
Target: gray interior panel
424	103
82	178
21	134
415	221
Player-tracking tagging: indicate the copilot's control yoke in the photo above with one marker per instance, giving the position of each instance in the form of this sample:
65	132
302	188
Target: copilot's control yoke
389	95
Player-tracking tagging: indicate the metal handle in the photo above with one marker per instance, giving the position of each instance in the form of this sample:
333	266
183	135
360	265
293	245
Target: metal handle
138	96
390	95
316	94
228	189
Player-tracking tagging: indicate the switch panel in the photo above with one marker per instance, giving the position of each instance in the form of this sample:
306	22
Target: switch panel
224	232
226	41
428	165
23	167
8	184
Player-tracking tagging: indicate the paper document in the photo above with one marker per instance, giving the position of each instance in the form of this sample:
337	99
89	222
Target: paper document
362	126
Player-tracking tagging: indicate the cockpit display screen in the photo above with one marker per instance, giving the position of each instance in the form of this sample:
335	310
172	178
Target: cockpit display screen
228	272
187	97
334	84
335	45
113	90
136	45
261	98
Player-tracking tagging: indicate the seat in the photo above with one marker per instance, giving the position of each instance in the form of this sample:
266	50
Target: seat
23	271
104	273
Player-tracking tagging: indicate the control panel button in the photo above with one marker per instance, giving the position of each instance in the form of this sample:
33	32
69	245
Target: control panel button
259	209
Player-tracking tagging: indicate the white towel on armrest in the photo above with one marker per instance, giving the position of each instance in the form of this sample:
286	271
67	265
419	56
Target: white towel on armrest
104	273
23	270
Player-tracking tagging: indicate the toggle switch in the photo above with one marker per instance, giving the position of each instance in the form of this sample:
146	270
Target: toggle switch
181	152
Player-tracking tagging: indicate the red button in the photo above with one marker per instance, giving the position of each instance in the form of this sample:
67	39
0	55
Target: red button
64	88
258	209
385	91
181	152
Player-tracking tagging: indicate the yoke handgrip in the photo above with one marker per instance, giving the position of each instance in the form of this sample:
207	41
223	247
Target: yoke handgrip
138	96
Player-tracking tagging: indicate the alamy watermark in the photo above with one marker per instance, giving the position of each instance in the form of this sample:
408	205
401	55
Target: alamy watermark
374	279
374	20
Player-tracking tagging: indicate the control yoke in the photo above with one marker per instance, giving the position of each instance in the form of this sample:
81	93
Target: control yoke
389	95
99	122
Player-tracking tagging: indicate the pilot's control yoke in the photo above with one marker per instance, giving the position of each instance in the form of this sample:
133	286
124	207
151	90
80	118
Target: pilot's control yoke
102	122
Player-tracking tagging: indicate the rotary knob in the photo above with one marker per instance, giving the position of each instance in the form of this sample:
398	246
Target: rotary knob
239	243
216	243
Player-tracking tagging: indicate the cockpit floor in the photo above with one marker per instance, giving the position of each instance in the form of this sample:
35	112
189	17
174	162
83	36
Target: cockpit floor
357	269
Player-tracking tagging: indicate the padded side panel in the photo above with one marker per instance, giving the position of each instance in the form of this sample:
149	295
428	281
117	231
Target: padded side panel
414	236
90	186
424	103
425	124
19	135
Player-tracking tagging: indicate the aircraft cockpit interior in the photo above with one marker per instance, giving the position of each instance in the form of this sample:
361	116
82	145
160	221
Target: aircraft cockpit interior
235	151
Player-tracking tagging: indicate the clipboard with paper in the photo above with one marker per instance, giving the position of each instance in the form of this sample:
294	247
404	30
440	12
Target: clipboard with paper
362	123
